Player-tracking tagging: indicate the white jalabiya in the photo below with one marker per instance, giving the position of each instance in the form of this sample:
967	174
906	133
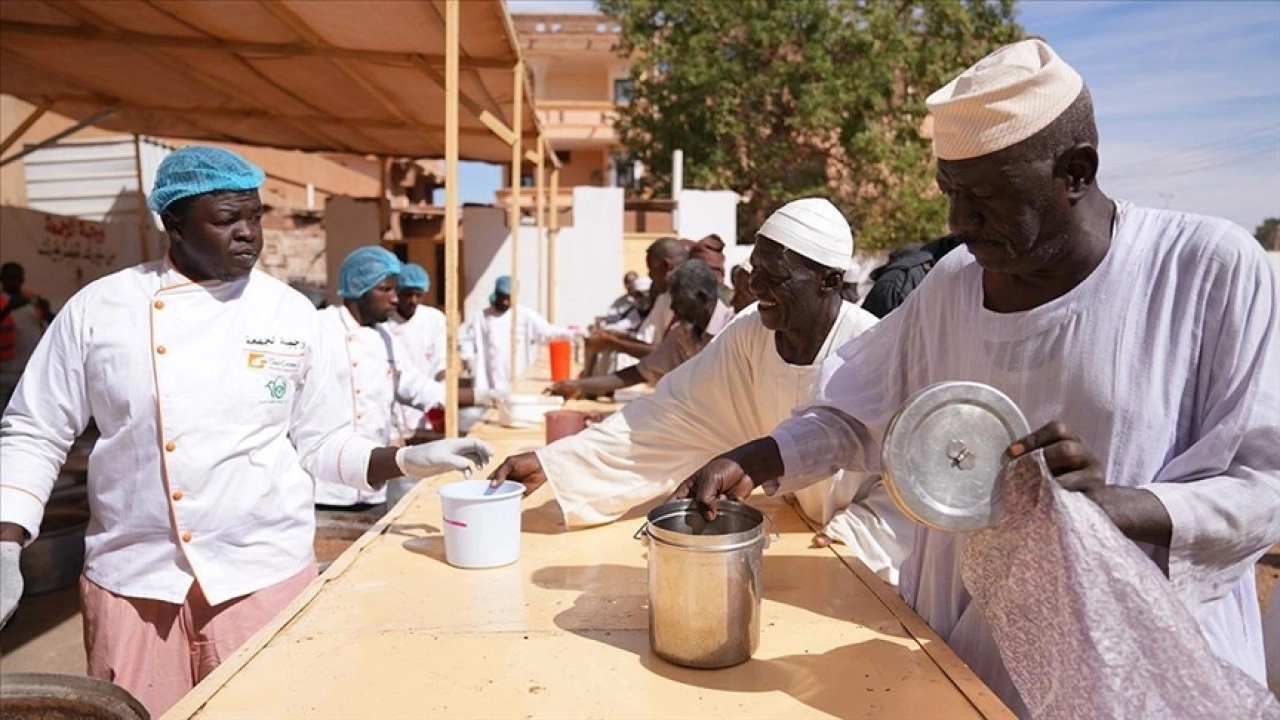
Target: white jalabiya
486	344
735	390
211	398
1164	361
374	370
660	318
424	337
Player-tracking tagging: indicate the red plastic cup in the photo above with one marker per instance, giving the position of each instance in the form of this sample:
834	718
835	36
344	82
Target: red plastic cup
561	359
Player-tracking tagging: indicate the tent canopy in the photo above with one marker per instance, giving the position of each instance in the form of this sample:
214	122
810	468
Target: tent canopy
338	76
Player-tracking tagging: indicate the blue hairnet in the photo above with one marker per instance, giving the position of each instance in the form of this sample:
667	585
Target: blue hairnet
414	276
364	268
501	287
197	170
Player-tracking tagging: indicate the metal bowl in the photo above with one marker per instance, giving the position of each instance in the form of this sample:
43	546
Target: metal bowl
45	696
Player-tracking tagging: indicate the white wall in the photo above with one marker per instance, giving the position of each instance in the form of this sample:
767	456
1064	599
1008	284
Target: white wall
589	266
703	212
349	223
62	254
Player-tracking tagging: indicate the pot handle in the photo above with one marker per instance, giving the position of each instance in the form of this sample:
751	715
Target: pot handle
644	530
776	534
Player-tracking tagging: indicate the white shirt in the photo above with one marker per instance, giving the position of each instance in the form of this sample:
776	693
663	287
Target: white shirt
733	391
217	403
424	337
373	369
659	319
486	345
1164	361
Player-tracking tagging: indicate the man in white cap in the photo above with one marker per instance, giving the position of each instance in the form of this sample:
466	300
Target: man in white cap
760	367
1143	344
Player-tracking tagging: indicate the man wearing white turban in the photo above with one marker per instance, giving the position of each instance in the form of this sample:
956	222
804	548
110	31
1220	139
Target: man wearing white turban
1143	343
743	383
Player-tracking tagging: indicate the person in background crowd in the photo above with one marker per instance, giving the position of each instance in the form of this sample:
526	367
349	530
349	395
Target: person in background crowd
740	276
23	319
762	365
701	315
422	330
373	367
625	316
903	272
1142	344
486	341
215	391
661	257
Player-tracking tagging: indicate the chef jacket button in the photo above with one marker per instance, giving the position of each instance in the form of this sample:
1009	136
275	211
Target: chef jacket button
159	304
357	391
359	415
170	446
354	363
159	349
177	494
350	337
186	537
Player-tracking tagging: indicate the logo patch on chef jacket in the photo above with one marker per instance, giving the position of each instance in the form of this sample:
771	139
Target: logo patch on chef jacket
273	363
277	390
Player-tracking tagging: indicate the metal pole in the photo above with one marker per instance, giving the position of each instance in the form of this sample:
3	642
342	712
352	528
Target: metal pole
144	215
100	115
513	216
553	236
540	209
453	370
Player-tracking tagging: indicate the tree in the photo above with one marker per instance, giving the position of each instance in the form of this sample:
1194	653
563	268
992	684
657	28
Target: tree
1268	233
779	99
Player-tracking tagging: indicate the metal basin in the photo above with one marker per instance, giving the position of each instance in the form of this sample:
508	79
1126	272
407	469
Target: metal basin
45	696
54	561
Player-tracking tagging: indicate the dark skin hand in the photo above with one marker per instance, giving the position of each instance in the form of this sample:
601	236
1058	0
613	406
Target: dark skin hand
1138	514
12	532
596	386
732	475
526	468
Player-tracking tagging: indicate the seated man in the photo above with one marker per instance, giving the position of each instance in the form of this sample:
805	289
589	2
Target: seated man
696	302
747	380
625	317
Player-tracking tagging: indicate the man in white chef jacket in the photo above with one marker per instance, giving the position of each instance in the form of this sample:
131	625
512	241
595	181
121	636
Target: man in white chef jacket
746	380
485	341
372	365
422	330
216	395
1143	344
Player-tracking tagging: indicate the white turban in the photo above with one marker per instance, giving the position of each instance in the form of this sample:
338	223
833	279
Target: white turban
1005	98
814	228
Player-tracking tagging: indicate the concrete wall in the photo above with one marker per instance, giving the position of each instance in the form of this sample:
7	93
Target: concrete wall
589	266
703	212
62	254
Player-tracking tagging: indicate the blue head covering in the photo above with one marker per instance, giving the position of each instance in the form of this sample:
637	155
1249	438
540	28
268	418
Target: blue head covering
364	268
199	169
415	277
501	287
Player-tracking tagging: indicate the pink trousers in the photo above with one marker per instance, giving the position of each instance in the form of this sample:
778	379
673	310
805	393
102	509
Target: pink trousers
158	651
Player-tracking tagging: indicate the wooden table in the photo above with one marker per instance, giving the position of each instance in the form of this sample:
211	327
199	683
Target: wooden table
391	630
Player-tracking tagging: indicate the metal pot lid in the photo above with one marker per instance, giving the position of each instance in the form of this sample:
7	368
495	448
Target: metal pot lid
943	453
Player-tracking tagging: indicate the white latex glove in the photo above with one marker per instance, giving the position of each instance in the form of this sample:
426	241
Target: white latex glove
10	580
441	456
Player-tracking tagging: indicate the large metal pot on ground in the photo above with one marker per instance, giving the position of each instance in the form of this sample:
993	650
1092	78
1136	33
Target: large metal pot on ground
705	583
45	696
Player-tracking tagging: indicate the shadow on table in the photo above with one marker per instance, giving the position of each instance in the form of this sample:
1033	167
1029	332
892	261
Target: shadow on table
613	609
37	615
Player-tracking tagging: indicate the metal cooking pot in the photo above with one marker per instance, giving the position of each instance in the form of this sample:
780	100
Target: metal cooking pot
45	696
54	561
705	583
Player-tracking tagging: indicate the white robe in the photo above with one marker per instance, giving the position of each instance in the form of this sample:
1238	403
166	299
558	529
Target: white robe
485	344
735	390
1164	360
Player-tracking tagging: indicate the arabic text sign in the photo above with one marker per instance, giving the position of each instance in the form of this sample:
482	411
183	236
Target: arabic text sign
71	239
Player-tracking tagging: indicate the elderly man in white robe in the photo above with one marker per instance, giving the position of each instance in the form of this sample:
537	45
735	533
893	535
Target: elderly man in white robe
745	381
1143	344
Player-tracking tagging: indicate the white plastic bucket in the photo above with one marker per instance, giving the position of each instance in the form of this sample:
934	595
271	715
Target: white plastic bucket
481	524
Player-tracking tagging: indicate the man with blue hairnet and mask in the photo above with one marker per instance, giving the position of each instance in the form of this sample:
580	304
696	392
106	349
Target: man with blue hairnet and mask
372	365
422	330
215	389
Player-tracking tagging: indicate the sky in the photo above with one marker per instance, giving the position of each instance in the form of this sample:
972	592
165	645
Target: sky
1187	96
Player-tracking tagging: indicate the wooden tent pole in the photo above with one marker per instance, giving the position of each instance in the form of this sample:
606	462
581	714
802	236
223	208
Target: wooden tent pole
553	236
450	275
540	210
513	216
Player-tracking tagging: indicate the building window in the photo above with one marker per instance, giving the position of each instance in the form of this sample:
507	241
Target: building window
526	180
622	88
624	172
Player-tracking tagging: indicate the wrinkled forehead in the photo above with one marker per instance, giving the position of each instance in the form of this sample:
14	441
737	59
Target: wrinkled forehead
768	251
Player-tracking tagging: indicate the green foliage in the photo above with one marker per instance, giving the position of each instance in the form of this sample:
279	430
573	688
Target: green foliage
779	99
1268	234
